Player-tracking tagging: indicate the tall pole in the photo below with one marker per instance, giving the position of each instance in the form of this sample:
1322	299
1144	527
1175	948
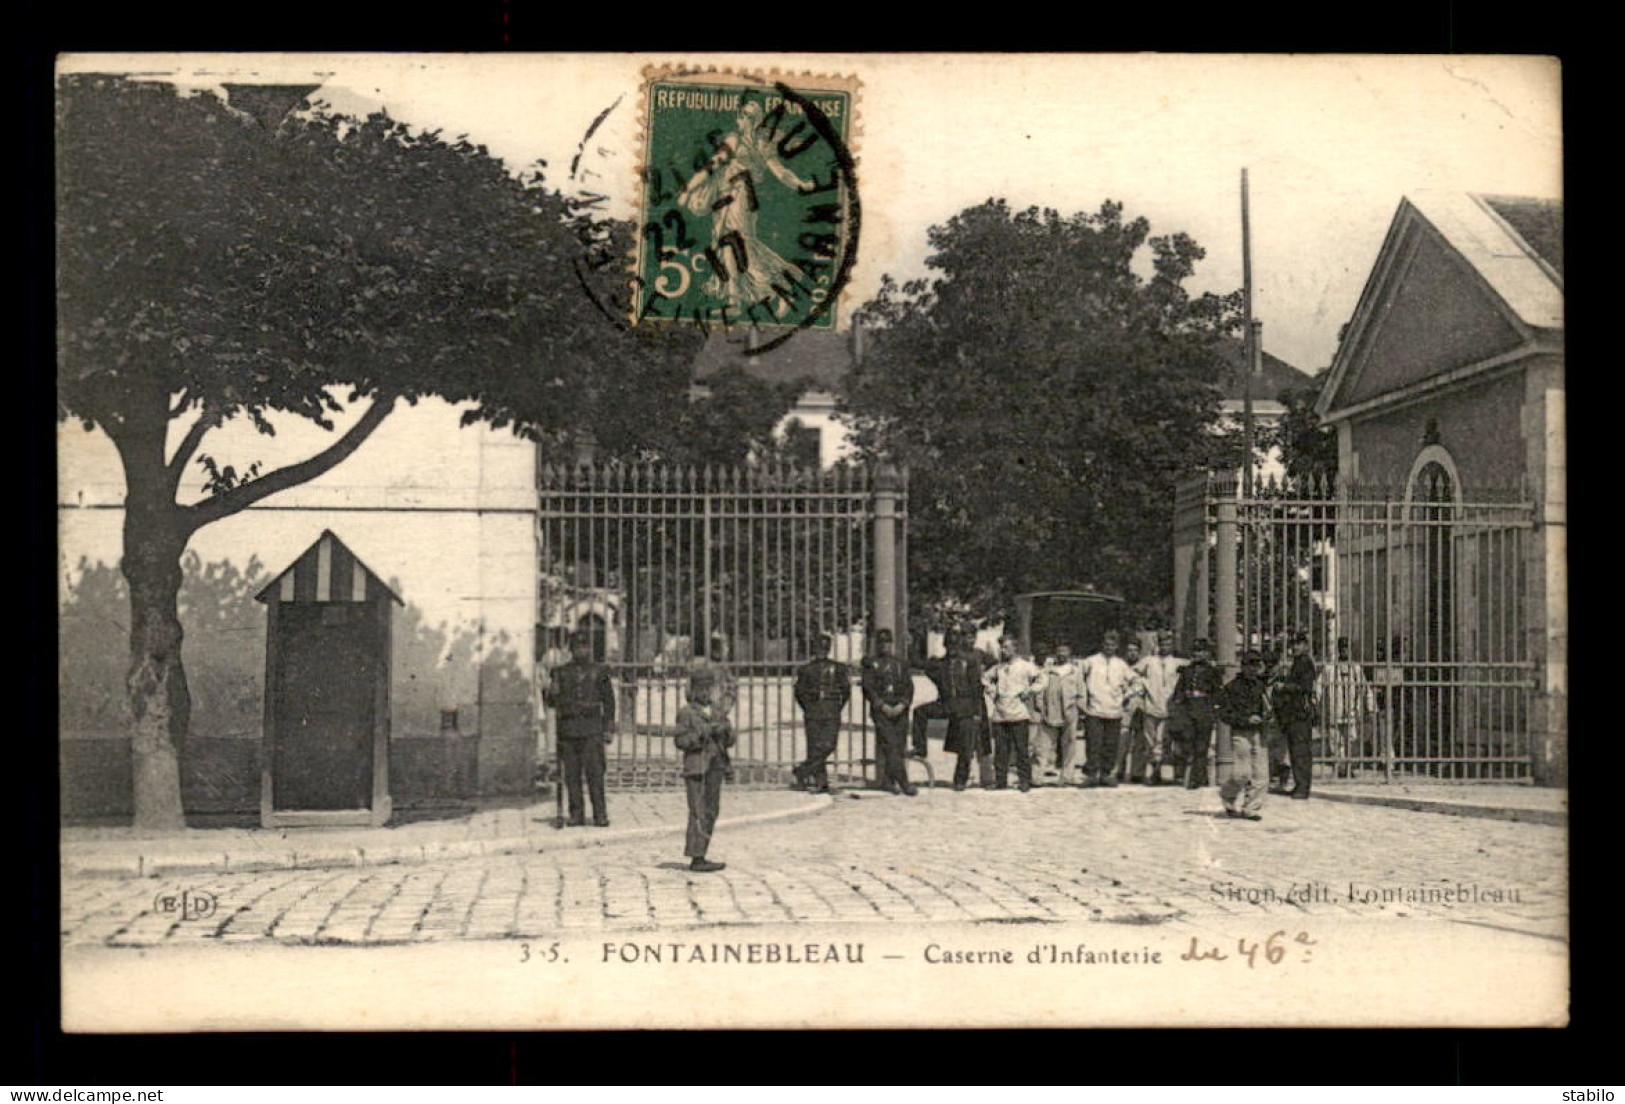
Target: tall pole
1251	349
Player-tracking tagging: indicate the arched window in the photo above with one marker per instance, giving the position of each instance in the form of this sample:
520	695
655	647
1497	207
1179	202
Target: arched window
1427	731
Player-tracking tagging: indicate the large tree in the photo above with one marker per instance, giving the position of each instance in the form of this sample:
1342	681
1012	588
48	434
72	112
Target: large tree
1308	449
1045	395
233	259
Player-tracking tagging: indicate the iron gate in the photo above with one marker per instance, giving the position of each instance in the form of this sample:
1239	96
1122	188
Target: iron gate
1415	605
743	566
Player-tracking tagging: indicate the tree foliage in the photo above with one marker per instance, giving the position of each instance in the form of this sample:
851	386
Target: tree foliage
1308	449
219	264
1045	396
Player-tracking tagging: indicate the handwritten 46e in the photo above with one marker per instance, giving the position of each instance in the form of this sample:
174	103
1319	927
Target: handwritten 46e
1273	949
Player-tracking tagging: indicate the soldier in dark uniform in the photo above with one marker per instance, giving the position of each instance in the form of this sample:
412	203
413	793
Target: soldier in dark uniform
889	689
1292	699
1195	704
823	688
935	670
583	699
968	735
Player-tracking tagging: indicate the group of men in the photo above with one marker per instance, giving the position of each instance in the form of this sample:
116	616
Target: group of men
1134	716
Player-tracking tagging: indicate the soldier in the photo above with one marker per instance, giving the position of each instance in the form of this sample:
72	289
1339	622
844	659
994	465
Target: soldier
1057	715
1292	699
583	697
1131	746
1014	684
967	712
823	688
936	670
1347	701
889	689
1194	705
1105	683
704	735
1244	706
1159	674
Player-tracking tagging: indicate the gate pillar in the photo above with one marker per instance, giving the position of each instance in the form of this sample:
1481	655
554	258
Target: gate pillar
888	493
1224	619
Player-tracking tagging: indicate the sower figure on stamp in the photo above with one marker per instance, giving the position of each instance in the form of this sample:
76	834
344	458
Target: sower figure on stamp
967	713
1105	683
1195	704
1014	684
582	697
704	734
823	687
937	671
889	689
1244	707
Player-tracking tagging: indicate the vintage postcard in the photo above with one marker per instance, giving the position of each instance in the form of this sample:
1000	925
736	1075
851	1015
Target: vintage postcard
877	540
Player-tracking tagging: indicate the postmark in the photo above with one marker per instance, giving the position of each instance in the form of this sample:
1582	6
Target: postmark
748	211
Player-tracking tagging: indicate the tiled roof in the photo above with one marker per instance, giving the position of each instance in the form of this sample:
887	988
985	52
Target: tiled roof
1539	222
1275	377
817	357
1517	269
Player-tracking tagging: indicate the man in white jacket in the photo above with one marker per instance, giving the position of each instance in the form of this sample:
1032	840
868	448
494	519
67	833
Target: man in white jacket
1158	675
1104	684
1014	685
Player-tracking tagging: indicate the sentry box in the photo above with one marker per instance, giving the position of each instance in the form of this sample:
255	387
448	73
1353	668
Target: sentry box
325	757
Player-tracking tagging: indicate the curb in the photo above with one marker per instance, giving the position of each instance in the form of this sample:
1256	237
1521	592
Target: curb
1554	817
144	866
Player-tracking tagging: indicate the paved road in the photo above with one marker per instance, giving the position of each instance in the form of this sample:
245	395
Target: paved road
1127	856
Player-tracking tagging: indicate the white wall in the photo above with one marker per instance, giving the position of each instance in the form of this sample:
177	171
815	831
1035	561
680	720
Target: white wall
445	515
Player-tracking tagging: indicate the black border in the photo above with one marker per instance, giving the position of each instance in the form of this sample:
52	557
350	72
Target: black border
40	1054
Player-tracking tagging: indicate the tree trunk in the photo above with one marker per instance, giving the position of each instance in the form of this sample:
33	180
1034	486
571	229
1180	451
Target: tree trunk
160	702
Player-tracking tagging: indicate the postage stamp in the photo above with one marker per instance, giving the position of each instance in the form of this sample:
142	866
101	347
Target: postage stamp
748	212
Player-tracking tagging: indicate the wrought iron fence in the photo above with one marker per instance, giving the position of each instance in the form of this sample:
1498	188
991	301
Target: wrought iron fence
1414	600
742	566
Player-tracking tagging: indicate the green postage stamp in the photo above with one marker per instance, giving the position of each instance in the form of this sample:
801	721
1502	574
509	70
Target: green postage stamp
748	211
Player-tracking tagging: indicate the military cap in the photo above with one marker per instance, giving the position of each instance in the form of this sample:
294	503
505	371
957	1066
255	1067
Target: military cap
1252	656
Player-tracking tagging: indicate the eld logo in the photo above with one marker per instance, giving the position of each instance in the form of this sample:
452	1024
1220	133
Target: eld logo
188	904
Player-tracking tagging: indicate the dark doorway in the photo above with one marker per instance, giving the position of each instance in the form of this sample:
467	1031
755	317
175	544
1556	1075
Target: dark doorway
1439	669
326	701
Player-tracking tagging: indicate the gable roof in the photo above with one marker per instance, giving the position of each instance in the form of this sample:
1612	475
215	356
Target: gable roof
1512	244
327	571
818	358
1274	377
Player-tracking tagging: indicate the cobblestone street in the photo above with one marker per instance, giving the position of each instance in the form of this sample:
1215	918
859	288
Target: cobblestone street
1126	856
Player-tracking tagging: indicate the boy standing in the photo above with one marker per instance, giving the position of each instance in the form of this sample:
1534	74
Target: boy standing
1244	706
704	735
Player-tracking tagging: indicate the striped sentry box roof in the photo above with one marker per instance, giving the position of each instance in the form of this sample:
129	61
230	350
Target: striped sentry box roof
327	571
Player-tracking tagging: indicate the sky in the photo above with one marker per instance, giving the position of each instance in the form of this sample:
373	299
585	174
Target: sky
1331	143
